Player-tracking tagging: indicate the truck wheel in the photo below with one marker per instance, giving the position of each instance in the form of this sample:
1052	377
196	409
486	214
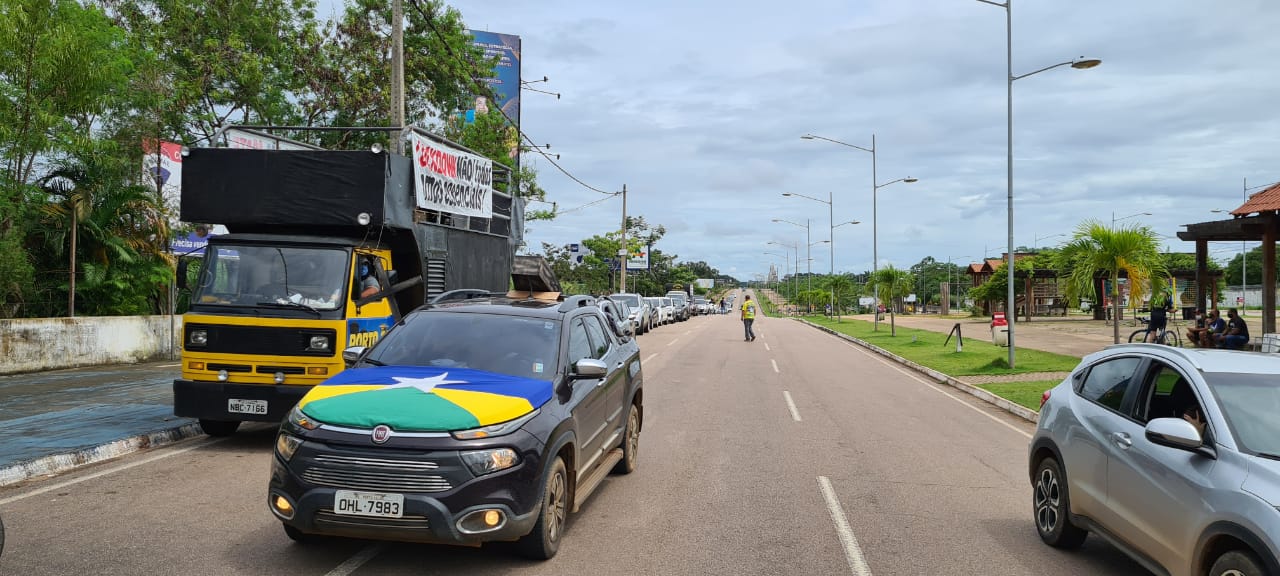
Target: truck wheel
630	443
219	427
544	541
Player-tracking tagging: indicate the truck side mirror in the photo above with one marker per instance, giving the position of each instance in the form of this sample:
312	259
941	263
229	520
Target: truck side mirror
183	264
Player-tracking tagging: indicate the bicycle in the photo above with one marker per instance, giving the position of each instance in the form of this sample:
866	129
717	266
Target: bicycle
1163	336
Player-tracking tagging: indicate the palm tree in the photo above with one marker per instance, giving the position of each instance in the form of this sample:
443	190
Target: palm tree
893	284
1096	249
843	287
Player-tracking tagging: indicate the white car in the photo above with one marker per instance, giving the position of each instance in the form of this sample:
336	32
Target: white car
660	314
641	315
670	306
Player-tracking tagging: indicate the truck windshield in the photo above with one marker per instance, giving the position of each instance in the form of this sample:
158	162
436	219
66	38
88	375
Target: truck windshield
513	345
245	275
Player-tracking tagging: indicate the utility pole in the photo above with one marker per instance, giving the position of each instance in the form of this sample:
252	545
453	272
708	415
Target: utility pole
624	253
397	73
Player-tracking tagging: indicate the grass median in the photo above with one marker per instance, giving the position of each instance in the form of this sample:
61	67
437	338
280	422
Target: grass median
1025	393
979	355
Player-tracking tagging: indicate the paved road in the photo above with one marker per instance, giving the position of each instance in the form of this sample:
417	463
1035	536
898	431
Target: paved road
794	454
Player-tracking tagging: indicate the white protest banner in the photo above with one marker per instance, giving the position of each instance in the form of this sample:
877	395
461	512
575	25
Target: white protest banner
450	180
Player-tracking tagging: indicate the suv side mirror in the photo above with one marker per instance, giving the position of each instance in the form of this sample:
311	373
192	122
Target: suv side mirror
352	355
588	368
1176	433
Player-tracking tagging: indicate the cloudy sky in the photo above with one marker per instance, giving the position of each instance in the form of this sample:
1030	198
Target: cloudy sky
698	107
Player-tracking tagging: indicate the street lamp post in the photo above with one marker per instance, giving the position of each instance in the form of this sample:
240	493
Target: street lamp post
1080	64
1114	219
875	249
808	257
786	259
832	233
795	278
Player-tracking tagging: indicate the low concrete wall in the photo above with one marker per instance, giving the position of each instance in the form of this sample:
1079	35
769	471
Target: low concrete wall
36	344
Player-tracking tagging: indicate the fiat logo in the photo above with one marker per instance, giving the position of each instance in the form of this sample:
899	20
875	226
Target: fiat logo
381	433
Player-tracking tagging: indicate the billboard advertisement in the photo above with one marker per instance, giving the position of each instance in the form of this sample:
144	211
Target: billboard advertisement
162	167
707	283
506	80
449	180
639	259
242	138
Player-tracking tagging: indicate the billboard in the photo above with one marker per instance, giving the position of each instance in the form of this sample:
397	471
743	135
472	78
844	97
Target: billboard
449	180
506	80
707	283
639	259
162	167
242	138
577	252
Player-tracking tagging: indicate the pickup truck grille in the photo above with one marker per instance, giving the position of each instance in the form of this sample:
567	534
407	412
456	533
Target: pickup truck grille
353	473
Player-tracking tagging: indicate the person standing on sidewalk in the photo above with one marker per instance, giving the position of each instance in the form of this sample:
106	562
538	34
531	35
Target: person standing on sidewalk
748	317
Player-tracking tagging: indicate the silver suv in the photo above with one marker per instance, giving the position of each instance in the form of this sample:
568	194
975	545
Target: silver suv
1170	454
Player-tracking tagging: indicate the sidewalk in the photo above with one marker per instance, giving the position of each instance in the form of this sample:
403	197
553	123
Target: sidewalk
51	421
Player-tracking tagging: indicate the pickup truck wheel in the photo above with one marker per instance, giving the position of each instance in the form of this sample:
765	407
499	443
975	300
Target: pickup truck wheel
544	541
219	427
630	443
1237	563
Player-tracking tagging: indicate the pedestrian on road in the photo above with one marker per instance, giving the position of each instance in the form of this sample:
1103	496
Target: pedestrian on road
748	317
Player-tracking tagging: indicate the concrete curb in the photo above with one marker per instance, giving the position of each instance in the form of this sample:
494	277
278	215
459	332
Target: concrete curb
58	463
1011	407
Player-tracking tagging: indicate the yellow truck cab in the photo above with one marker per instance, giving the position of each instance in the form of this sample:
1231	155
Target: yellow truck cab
326	251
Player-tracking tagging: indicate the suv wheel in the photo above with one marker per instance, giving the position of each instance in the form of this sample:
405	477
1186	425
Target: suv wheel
544	541
219	427
630	443
1237	563
1052	507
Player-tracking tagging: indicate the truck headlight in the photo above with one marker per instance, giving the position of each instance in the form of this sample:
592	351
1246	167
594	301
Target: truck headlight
198	337
319	343
286	445
483	462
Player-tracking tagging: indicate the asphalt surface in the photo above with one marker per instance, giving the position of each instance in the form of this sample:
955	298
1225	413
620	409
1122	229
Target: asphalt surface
795	454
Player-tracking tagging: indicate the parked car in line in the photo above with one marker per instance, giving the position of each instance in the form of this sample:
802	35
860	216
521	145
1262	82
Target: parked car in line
681	302
619	313
670	306
700	306
641	315
660	313
487	419
1171	454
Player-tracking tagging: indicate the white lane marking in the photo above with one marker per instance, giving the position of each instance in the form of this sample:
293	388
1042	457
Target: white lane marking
107	472
904	372
651	357
169	365
775	366
673	341
767	348
355	562
795	414
857	564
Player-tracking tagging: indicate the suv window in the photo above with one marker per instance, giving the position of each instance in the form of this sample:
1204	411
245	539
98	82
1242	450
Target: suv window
579	343
598	337
465	340
1108	381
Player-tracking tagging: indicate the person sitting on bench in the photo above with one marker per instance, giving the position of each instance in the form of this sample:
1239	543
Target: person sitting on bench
1237	333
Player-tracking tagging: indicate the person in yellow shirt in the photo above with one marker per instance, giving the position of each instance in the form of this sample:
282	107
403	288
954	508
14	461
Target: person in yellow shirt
748	317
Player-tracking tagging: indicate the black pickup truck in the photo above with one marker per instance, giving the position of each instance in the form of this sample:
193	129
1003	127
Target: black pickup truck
482	419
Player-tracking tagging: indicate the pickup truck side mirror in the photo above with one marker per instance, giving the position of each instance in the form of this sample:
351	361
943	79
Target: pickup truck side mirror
352	355
589	368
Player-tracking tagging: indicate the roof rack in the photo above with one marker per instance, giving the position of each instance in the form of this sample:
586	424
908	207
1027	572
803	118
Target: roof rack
462	294
577	301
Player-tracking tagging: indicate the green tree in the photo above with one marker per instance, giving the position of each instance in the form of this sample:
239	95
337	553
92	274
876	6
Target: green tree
893	284
1096	249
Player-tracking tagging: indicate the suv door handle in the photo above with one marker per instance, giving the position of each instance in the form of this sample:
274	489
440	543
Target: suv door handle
1122	439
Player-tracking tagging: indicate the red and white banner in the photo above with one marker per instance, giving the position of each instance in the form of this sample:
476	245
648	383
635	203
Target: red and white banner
162	168
450	180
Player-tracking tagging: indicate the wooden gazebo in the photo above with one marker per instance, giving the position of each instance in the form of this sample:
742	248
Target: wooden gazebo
1258	219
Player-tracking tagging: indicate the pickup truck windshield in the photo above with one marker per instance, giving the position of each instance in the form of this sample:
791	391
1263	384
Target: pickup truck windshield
513	345
246	275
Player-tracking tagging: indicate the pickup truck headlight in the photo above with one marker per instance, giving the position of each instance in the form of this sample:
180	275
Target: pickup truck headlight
483	462
496	429
198	337
297	418
286	445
